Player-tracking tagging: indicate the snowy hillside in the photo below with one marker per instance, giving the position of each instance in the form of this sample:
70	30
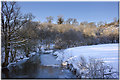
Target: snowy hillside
106	52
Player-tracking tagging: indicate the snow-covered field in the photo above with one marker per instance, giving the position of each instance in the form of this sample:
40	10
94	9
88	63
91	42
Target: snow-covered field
106	52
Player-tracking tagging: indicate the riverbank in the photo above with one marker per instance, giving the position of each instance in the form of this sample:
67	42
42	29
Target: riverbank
80	59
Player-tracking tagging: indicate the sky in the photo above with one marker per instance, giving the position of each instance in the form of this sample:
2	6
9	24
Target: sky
82	11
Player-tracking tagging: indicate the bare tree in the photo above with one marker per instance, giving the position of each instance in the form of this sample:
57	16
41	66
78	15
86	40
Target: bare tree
49	19
69	20
12	21
75	22
84	23
60	20
115	19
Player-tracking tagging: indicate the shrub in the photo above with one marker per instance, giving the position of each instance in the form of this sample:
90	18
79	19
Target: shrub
96	69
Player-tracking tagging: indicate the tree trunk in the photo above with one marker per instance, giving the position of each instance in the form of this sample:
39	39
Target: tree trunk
15	54
6	47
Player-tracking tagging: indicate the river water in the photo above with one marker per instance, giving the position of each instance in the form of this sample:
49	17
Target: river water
47	67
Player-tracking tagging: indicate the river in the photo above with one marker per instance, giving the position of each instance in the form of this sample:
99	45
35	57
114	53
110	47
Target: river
41	67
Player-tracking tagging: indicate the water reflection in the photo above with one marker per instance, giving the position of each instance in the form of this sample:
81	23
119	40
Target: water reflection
32	68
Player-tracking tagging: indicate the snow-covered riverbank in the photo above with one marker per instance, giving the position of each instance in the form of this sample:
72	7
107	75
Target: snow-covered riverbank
106	52
73	56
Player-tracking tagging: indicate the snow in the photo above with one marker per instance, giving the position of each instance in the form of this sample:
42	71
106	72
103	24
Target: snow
106	52
48	51
49	60
17	63
42	47
33	53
